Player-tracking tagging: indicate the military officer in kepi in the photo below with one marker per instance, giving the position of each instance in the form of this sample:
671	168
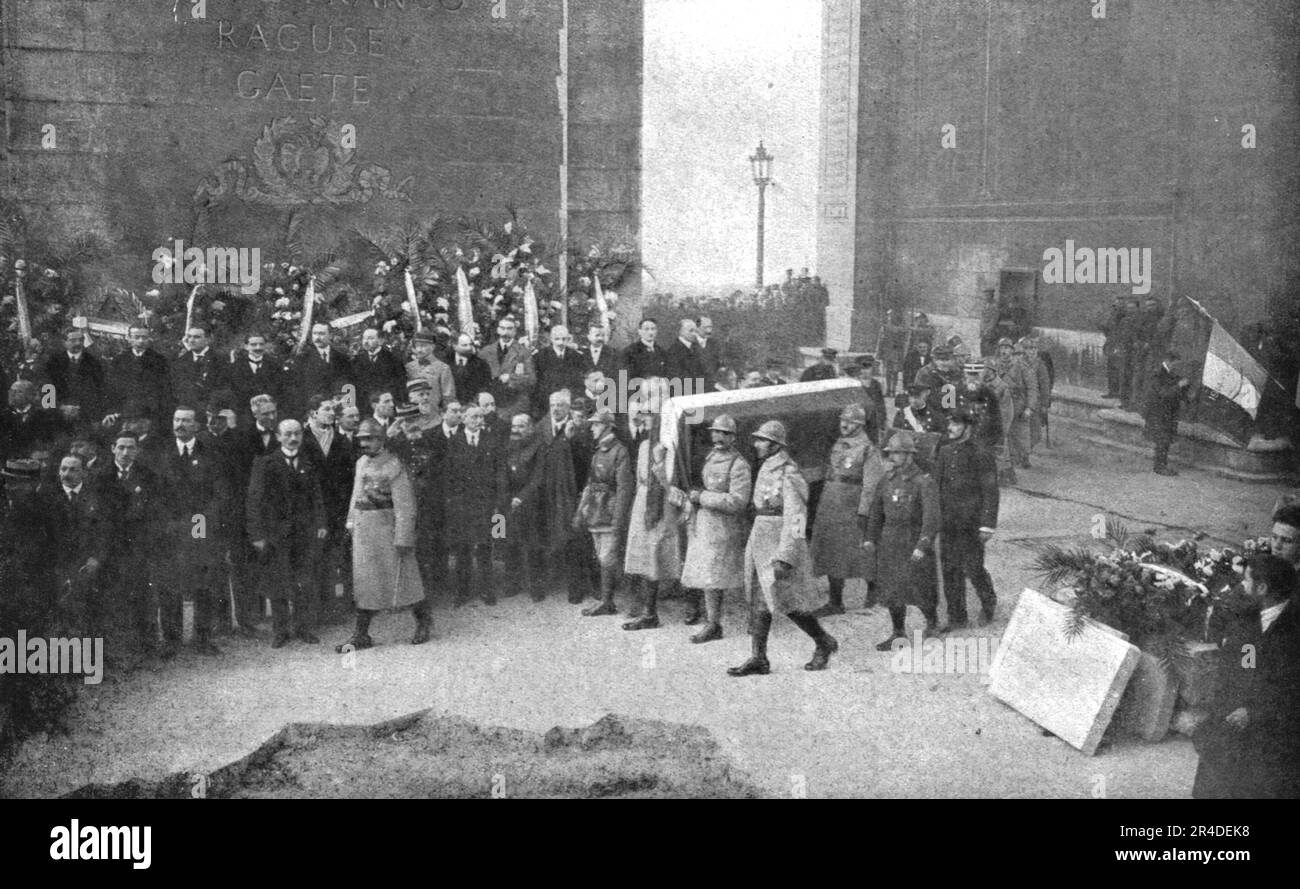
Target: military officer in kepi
776	558
855	465
902	519
715	549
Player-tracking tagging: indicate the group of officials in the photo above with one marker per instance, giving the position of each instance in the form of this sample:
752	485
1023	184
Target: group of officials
272	474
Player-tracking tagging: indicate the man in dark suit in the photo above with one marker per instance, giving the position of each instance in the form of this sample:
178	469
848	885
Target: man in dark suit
1167	391
140	377
710	351
684	360
510	364
129	490
967	476
476	485
558	367
254	372
198	373
376	369
319	368
598	355
25	426
78	380
1249	745
525	521
193	503
247	446
644	359
873	400
469	372
76	517
335	458
287	525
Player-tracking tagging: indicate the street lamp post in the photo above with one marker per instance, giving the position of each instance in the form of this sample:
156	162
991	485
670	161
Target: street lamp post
761	161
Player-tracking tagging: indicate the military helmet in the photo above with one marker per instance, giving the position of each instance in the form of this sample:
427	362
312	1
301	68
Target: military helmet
855	413
902	441
371	428
773	431
723	423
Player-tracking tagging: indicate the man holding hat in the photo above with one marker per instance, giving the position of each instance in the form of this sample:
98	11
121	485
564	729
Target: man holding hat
1168	390
901	519
855	465
715	548
967	477
604	505
776	557
381	518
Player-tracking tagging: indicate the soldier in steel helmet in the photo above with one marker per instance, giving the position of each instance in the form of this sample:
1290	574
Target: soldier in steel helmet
776	557
715	549
836	546
902	518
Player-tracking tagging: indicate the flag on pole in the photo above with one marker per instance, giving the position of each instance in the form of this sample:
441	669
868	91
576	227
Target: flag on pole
465	308
1231	380
410	297
601	306
531	321
189	307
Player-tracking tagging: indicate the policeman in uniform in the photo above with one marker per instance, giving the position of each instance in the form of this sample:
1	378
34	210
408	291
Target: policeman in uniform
942	376
776	557
901	519
715	549
967	477
854	464
418	444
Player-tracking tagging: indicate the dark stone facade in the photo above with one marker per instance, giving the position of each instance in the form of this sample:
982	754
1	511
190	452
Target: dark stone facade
217	128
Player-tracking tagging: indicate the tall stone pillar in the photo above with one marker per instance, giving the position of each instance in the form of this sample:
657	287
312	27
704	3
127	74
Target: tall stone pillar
837	186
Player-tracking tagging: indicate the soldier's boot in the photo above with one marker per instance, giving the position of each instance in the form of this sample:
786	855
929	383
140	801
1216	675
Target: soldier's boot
898	618
760	624
693	615
649	618
360	636
423	622
835	602
826	644
606	606
713	625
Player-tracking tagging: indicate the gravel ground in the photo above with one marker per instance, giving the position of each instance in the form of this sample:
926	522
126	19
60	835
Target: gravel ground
858	729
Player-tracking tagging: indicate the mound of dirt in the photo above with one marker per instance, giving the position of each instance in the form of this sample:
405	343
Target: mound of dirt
445	757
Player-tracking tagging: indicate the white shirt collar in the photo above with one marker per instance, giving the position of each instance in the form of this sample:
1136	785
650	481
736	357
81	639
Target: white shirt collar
76	490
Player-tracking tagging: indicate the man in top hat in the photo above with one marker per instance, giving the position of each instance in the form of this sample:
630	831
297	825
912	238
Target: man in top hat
854	465
715	548
604	505
776	555
425	365
825	369
967	477
382	519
